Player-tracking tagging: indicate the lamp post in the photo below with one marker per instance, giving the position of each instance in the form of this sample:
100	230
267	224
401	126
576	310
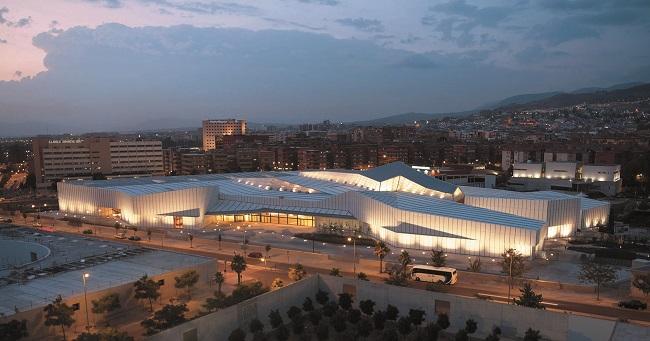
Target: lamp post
510	276
85	277
264	260
354	253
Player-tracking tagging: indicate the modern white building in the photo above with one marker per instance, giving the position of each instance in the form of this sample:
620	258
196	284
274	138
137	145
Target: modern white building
566	176
394	203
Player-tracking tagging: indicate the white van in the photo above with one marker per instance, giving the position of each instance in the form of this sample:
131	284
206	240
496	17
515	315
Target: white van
427	273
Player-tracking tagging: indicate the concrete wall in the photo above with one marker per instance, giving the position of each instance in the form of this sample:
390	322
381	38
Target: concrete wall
35	317
512	320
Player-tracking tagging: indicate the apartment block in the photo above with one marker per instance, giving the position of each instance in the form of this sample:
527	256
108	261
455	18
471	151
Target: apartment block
56	159
214	130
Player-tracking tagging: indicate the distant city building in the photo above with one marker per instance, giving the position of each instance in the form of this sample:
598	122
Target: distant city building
214	130
82	158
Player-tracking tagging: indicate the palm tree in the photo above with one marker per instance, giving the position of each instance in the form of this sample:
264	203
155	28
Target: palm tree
238	265
381	250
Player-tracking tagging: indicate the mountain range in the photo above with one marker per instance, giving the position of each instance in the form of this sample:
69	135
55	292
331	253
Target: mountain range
623	91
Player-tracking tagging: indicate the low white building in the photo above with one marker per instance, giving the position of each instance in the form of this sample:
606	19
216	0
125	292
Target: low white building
393	203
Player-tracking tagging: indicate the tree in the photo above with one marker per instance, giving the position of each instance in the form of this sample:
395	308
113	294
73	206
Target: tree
106	304
381	250
596	273
282	333
379	319
147	289
256	326
642	282
494	335
405	260
391	312
237	335
390	334
362	276
367	306
298	324
13	330
187	280
322	297
474	264
431	331
345	301
238	265
443	321
296	272
512	264
219	278
275	319
335	272
330	309
338	322
438	258
293	311
532	335
170	315
404	325
364	328
59	314
307	305
277	283
461	335
354	315
471	326
24	214
117	227
322	332
315	317
529	298
416	316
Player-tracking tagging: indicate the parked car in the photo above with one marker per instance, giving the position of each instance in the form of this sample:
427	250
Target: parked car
135	238
255	255
633	304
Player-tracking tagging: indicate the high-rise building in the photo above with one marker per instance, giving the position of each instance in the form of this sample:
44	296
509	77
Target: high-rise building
82	158
214	130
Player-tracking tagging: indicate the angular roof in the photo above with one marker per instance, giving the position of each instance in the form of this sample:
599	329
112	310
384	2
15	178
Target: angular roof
452	209
395	169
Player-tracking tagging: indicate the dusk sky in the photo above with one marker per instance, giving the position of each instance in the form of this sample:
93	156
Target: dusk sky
101	65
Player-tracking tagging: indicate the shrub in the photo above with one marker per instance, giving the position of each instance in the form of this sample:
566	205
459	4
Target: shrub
362	276
322	297
379	319
298	324
392	312
364	328
330	308
275	319
471	326
532	335
334	239
322	332
237	335
404	325
256	326
88	231
281	333
293	311
338	322
431	331
461	335
315	317
443	321
354	315
367	306
307	305
389	334
416	316
345	301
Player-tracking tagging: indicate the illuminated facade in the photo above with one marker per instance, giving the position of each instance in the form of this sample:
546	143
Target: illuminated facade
393	203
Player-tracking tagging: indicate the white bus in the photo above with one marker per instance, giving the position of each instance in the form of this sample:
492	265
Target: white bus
427	273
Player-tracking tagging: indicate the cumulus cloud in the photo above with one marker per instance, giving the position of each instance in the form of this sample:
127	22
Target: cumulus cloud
362	24
3	11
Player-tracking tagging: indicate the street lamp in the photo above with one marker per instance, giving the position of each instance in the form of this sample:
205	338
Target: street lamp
85	277
510	275
264	260
354	250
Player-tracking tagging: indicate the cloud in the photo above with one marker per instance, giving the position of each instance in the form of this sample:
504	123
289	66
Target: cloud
210	7
18	74
417	61
558	31
23	22
362	24
537	53
107	3
3	41
321	2
294	24
3	11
